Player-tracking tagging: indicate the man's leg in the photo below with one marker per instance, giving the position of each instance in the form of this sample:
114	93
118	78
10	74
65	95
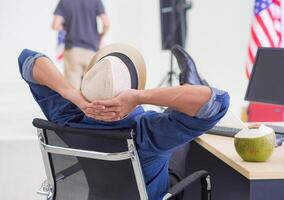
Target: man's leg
87	56
73	69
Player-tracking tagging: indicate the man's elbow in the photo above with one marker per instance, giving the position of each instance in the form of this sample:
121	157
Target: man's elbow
224	101
57	23
53	27
106	25
105	22
57	27
25	53
216	107
227	100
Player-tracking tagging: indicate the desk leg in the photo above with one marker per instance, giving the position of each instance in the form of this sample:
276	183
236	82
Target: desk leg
228	184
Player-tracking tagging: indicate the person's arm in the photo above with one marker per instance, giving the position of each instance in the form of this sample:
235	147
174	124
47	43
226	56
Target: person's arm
46	81
57	23
105	27
105	23
58	16
55	81
187	99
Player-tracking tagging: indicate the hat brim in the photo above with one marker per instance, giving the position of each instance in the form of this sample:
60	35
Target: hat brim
133	54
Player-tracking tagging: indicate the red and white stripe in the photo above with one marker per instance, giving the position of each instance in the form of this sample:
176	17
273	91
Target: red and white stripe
265	32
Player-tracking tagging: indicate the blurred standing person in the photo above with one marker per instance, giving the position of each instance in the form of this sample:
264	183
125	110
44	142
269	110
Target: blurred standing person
79	20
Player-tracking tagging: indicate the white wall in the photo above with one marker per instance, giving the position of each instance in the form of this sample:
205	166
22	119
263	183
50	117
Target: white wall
217	40
24	24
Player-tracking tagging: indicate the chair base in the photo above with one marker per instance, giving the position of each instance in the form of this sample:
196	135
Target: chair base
45	190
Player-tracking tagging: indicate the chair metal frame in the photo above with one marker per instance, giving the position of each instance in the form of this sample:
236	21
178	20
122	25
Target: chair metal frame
48	186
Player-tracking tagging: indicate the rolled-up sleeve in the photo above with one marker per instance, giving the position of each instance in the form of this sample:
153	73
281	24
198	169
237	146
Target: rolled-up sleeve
212	107
59	10
100	8
26	62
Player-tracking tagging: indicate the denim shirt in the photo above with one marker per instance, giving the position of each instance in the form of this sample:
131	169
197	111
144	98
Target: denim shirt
157	134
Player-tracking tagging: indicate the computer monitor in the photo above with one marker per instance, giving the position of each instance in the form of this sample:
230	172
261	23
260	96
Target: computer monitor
266	83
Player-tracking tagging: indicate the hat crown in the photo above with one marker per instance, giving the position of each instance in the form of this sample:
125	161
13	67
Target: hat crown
120	73
106	79
132	53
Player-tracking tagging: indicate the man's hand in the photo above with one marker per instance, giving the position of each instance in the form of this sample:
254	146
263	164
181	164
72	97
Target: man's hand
121	105
77	98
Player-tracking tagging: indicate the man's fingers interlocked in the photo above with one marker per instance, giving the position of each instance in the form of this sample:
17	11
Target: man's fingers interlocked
106	116
94	111
107	103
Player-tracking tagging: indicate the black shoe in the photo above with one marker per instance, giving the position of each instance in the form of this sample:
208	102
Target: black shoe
188	72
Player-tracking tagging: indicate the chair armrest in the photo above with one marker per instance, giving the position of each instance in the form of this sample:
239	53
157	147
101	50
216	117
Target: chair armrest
180	186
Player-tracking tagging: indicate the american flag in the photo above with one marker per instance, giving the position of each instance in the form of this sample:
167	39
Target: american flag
60	45
265	29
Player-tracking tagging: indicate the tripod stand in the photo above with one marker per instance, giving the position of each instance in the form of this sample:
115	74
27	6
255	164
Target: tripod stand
170	75
178	10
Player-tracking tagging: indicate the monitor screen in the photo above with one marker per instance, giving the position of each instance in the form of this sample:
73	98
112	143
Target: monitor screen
267	78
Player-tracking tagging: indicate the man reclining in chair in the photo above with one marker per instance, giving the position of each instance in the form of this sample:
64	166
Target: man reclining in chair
110	98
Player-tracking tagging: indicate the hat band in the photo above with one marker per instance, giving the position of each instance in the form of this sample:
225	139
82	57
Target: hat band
130	66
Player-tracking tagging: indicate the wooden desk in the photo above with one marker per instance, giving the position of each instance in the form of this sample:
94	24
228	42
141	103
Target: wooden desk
223	148
233	178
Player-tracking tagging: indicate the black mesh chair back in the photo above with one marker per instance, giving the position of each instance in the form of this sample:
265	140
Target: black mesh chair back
90	164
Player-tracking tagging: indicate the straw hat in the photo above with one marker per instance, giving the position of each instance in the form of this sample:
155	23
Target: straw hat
113	69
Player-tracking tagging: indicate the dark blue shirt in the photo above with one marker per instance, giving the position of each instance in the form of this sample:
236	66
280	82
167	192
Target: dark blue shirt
80	22
157	134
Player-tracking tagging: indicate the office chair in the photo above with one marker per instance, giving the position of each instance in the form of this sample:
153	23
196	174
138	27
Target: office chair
87	164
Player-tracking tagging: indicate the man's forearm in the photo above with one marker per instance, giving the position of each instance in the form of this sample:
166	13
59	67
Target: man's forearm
45	73
187	98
